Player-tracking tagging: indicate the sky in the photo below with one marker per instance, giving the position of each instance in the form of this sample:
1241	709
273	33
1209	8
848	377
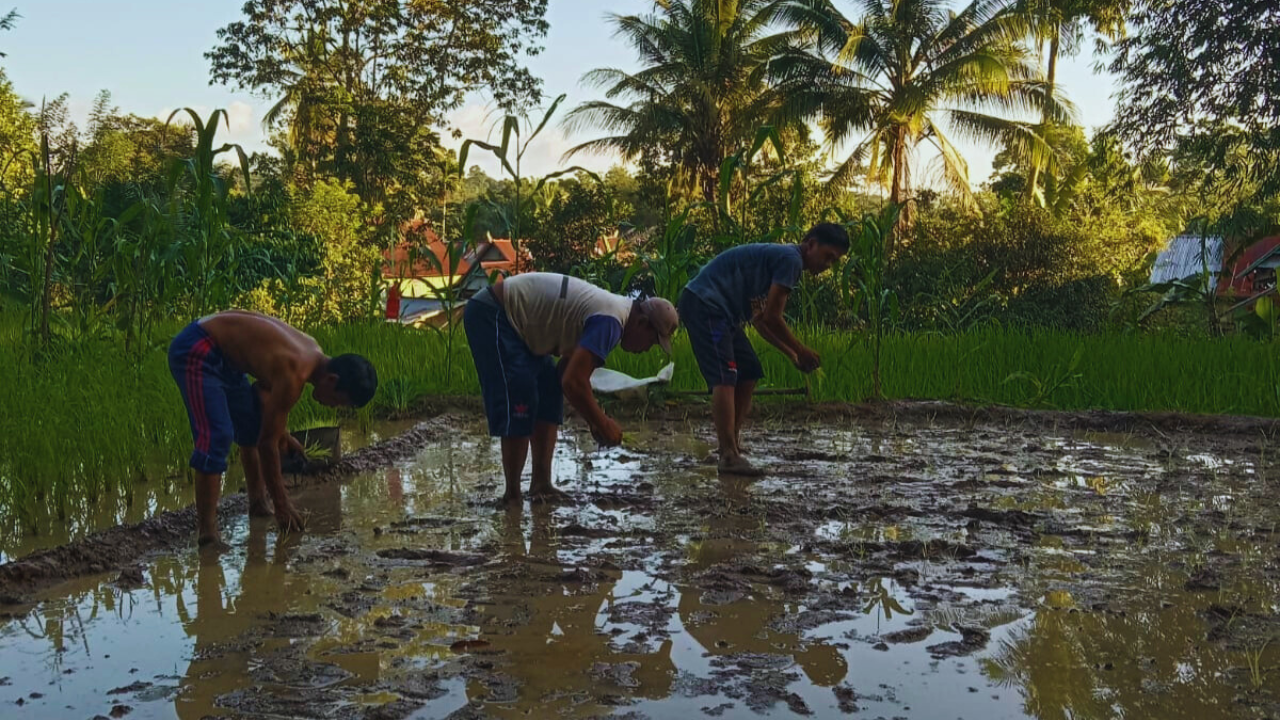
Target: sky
150	55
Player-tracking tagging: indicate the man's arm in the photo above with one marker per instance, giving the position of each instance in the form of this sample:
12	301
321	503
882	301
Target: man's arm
773	328
771	337
279	400
575	380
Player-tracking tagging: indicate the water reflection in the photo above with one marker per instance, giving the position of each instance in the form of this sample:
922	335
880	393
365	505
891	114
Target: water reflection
748	624
222	613
549	630
162	488
1146	655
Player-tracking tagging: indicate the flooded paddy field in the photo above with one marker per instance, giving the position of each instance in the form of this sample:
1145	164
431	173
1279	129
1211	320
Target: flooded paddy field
885	569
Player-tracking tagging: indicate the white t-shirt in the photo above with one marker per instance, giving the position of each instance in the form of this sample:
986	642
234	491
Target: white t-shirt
549	310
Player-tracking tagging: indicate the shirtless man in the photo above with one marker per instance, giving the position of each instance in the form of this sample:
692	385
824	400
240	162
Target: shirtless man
210	359
515	327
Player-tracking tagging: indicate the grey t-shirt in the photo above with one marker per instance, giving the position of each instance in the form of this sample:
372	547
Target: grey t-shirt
737	277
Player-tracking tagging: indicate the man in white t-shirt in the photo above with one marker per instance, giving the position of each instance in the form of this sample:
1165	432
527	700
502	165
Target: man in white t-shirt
515	328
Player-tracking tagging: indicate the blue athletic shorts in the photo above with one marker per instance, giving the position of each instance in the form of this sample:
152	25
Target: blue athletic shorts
221	404
723	352
519	388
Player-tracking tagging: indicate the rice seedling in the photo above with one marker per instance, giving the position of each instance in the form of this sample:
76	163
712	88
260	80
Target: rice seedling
315	452
1257	673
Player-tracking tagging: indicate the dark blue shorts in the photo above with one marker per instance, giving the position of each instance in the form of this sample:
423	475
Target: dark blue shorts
724	353
519	388
221	404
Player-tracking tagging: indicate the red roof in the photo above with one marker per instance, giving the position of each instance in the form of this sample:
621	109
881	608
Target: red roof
423	254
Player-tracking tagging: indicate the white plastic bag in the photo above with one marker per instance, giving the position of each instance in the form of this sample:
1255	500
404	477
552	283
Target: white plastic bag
612	382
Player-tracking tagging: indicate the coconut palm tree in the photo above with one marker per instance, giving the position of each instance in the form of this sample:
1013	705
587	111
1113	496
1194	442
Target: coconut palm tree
303	108
701	94
1061	24
911	72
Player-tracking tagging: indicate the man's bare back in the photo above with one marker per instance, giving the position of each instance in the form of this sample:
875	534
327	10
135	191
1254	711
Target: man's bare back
209	361
266	348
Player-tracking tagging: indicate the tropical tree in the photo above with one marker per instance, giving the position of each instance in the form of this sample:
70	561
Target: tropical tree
1191	68
17	140
903	72
7	21
701	93
360	84
1061	24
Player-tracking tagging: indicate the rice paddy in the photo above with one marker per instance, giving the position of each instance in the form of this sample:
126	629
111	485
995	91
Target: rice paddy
87	423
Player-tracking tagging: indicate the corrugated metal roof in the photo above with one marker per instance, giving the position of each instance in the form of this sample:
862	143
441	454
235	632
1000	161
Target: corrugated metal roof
1188	255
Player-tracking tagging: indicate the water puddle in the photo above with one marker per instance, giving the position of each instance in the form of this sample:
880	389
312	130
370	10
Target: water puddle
931	572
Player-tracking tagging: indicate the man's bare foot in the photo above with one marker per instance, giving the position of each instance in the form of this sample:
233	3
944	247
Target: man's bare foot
511	499
212	543
260	508
549	495
738	465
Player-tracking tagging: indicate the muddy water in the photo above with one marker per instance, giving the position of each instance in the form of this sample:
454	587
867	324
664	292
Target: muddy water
138	501
890	571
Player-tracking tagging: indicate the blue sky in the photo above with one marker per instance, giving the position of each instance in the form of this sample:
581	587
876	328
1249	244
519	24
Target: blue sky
150	55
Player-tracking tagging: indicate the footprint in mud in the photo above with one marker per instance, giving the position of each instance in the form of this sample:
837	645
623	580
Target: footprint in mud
296	672
296	626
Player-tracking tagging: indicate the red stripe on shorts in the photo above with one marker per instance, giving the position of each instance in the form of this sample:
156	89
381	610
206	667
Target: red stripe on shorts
195	391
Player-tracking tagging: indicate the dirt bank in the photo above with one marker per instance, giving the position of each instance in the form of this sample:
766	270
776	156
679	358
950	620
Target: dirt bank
1247	428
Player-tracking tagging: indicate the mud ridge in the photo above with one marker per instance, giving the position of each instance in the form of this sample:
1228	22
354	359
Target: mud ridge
119	547
1244	428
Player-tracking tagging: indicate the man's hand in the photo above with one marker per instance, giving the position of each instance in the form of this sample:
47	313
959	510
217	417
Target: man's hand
290	446
608	433
289	519
807	360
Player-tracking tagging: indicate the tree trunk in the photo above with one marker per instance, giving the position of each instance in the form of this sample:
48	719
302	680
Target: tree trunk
709	183
900	190
1050	78
342	144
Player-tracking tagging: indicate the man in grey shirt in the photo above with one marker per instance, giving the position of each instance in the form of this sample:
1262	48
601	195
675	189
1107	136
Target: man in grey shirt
514	330
750	283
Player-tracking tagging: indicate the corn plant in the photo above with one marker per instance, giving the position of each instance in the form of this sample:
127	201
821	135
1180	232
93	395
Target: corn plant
672	257
449	292
510	154
740	166
863	281
199	194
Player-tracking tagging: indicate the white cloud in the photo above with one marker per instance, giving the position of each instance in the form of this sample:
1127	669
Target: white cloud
242	118
242	124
